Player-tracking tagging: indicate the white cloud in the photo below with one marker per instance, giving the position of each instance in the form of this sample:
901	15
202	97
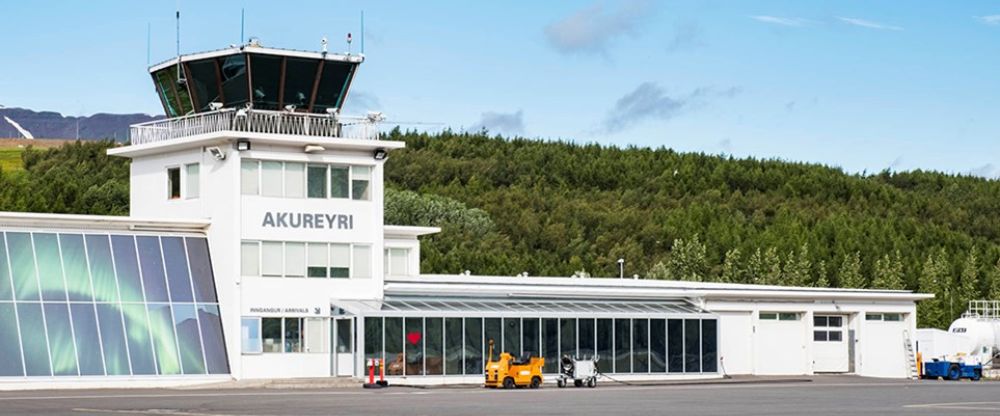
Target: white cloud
650	101
782	21
592	29
993	19
988	171
868	24
501	123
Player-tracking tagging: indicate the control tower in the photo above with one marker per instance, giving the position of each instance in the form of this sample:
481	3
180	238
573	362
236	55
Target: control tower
254	142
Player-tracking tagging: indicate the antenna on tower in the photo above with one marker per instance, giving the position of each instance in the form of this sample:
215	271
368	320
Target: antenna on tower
362	32
180	74
349	43
243	22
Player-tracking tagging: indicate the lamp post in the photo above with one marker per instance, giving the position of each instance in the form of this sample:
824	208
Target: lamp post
621	268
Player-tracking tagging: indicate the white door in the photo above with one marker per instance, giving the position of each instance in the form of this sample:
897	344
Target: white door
343	346
830	348
780	344
736	348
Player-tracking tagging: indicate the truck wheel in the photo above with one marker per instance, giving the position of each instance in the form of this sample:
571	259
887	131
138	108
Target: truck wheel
536	382
978	374
561	383
508	383
954	373
592	382
578	383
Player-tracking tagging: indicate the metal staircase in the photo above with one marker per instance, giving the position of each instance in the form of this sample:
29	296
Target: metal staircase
911	359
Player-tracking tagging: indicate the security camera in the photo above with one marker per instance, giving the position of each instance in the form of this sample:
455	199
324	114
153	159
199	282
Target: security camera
375	117
290	108
214	106
217	153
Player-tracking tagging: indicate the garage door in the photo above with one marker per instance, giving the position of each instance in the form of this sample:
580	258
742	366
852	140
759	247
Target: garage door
881	344
779	344
830	350
735	347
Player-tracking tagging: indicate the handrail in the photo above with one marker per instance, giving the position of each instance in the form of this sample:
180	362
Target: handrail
254	121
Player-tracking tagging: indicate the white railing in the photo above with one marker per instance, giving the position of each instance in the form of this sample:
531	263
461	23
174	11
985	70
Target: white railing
255	121
983	309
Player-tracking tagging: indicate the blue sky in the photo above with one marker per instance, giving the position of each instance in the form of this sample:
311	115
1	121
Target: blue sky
864	85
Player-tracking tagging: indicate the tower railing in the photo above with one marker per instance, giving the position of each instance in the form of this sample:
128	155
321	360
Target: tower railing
983	309
255	121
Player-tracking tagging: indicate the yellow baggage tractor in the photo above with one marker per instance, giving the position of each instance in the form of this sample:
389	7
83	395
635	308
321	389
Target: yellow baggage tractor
509	373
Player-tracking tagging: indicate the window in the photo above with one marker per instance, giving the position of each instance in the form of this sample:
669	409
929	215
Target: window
193	180
314	260
298	179
397	261
827	328
317	334
887	317
318	260
270	179
250	331
317	181
340	260
293	334
360	180
295	259
362	262
249	180
250	259
779	316
295	180
339	183
174	183
270	329
271	259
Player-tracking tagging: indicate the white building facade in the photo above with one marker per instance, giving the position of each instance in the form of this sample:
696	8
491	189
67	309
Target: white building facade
275	202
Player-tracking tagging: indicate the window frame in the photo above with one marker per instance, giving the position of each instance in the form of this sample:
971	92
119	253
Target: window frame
171	183
189	191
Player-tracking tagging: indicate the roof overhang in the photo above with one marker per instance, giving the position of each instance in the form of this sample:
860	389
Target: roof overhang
408	232
99	222
228	137
236	50
613	288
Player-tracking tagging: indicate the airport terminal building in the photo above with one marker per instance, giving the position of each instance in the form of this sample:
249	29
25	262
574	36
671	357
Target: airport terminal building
256	248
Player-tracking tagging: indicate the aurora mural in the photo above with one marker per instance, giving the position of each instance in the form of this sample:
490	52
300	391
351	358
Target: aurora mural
115	305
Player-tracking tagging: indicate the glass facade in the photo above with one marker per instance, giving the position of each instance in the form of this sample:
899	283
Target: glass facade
459	346
75	304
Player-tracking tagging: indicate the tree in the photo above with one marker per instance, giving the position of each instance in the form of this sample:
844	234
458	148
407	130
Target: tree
994	276
688	260
933	313
732	268
968	285
850	271
821	279
797	268
889	272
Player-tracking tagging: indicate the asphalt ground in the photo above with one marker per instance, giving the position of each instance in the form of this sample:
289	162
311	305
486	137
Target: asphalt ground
816	396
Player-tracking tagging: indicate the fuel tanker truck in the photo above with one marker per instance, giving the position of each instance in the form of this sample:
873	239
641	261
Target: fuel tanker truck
970	344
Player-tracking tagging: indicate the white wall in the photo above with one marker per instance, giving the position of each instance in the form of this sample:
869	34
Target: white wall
787	347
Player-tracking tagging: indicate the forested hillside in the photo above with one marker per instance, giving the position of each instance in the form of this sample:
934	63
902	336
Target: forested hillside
548	208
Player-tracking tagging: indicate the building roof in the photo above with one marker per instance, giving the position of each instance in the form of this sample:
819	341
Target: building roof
611	288
409	231
99	222
252	75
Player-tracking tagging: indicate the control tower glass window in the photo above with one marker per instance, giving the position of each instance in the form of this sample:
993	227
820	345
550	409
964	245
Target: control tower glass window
300	75
266	78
